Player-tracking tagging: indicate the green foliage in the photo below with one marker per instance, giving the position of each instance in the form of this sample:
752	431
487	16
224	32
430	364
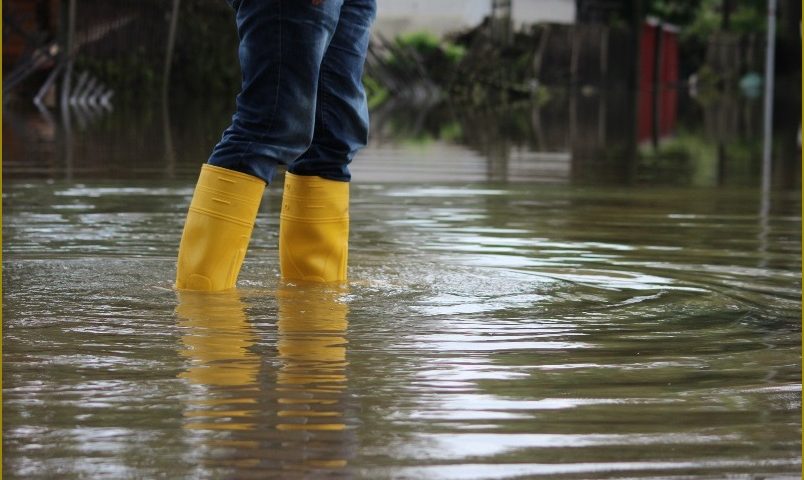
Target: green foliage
675	12
451	132
745	15
429	48
422	42
416	55
543	95
131	75
376	93
204	59
701	18
707	81
454	53
691	159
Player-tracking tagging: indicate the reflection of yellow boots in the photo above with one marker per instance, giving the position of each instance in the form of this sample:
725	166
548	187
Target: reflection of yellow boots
312	347
314	229
217	341
218	229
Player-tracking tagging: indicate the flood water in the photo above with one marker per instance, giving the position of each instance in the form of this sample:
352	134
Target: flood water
496	325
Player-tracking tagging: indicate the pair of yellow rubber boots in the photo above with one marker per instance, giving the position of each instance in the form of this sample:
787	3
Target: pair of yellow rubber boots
313	229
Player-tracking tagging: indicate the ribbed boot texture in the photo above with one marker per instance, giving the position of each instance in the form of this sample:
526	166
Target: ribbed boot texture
218	229
314	229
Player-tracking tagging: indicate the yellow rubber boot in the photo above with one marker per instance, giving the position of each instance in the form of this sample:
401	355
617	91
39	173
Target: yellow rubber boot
314	229
218	229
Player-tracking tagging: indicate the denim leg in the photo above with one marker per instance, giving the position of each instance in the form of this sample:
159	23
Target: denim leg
282	46
341	113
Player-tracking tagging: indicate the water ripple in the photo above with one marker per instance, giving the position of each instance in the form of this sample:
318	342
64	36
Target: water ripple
486	333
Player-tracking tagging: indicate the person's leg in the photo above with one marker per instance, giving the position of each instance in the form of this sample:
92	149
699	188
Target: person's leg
314	223
341	113
282	46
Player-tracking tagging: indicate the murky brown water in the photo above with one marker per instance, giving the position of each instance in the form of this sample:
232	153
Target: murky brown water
488	331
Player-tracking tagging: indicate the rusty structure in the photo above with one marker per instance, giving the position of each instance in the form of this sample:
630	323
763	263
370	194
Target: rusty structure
66	51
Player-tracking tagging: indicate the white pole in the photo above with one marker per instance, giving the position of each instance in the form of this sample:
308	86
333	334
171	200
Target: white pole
769	61
764	207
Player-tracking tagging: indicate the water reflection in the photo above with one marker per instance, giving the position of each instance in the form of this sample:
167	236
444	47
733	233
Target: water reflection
578	136
217	341
254	410
493	331
312	381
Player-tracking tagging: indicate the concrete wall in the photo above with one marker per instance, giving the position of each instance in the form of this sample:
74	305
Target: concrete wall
437	16
525	12
444	16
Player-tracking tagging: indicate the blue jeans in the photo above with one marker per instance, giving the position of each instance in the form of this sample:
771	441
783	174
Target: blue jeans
302	102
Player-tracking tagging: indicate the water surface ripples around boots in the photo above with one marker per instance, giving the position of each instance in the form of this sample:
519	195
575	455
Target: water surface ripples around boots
488	331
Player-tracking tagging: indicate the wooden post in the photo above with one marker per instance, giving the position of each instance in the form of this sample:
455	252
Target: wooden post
656	88
66	87
575	53
174	16
170	153
604	53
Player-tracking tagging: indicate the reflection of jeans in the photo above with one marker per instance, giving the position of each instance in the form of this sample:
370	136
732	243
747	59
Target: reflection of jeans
302	103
